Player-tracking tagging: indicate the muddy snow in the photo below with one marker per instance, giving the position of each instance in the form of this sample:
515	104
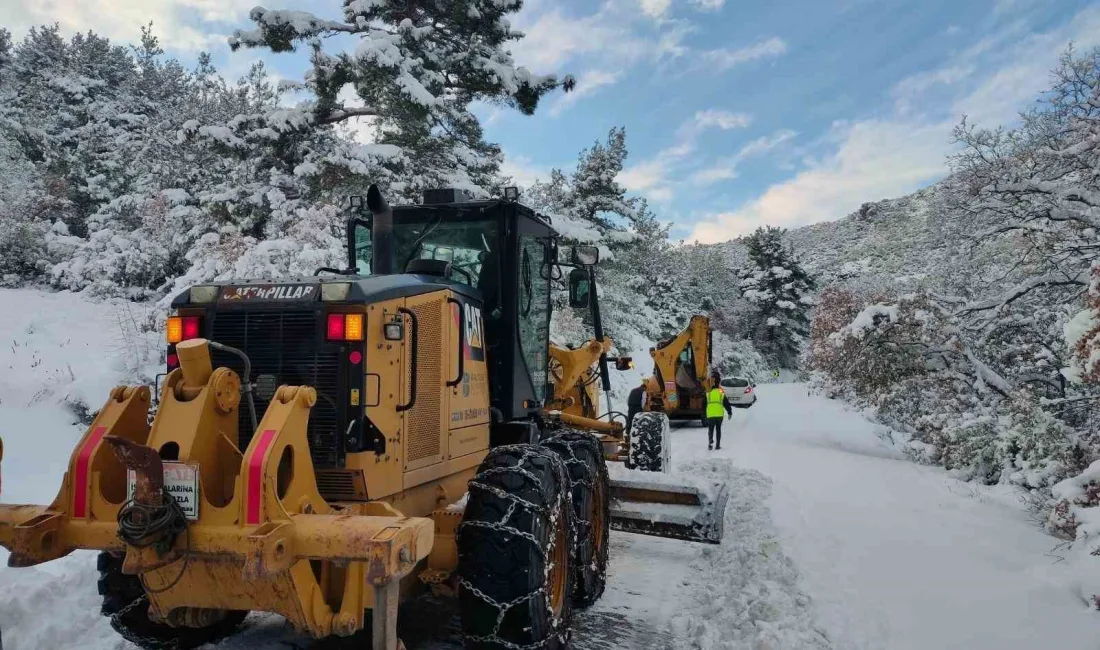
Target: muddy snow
833	539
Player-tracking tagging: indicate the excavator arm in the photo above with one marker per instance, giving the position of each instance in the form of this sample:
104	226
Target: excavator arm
697	336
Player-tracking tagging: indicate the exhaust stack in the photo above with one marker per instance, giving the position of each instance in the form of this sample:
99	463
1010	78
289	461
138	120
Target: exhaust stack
381	233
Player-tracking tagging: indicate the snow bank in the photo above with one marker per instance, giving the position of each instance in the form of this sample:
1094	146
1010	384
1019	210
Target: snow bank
61	356
748	594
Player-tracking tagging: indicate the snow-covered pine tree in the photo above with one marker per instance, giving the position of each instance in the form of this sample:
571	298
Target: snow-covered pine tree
780	291
414	71
589	206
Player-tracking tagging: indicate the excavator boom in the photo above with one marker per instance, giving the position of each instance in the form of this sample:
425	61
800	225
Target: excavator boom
681	371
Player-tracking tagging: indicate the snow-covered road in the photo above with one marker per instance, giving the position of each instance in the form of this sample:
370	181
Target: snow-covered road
894	554
833	539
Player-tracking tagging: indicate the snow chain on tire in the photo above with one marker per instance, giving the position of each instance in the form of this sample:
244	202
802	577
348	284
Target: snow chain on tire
127	605
519	507
587	469
649	443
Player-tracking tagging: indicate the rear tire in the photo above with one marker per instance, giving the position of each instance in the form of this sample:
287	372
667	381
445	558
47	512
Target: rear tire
649	442
125	602
515	552
587	468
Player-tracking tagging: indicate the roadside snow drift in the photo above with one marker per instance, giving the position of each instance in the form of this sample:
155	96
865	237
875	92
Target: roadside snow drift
60	356
746	593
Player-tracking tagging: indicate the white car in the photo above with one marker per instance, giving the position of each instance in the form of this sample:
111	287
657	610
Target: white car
740	391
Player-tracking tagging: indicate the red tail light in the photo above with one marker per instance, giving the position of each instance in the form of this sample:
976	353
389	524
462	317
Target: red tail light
335	329
191	327
748	389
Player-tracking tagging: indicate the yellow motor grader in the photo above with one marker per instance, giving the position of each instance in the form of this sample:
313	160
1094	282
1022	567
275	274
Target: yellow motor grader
638	505
326	447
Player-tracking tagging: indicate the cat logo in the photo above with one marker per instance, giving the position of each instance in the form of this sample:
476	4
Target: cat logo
473	343
475	333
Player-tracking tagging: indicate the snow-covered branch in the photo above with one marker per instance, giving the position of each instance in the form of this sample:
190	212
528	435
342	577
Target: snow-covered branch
1021	290
345	113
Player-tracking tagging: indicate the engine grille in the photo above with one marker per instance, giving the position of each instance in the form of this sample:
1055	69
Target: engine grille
288	345
424	425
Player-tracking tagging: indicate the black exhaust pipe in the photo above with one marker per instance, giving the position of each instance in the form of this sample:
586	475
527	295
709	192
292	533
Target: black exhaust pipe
381	233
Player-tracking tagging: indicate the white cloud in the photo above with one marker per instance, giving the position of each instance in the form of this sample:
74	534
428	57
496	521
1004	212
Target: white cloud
888	157
522	170
998	99
875	160
552	39
922	81
709	5
587	83
649	178
909	90
654	177
952	30
655	8
724	59
712	175
178	23
724	120
670	44
727	169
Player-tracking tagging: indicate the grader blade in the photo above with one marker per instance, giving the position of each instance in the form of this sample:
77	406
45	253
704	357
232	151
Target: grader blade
673	511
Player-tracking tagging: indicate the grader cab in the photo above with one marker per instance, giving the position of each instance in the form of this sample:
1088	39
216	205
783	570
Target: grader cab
327	447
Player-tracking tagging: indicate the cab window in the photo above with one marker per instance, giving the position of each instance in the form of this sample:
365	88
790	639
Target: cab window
469	246
534	309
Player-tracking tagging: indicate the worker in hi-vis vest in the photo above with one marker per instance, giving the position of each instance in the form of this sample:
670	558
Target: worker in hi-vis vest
716	403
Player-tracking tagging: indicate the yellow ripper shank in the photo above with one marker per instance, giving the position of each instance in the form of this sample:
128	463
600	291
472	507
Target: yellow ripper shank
263	540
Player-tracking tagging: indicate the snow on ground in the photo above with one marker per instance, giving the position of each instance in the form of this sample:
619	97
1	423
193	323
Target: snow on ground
746	592
59	355
894	554
833	539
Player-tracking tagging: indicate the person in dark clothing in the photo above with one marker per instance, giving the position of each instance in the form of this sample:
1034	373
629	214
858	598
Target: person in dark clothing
716	402
634	403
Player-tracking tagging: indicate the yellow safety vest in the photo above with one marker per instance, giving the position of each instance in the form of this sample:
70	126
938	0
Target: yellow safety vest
714	402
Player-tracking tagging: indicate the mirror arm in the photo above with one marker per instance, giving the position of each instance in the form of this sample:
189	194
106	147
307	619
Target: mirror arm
597	324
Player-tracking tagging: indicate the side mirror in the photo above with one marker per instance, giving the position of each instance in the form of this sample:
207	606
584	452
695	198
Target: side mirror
580	289
624	363
586	255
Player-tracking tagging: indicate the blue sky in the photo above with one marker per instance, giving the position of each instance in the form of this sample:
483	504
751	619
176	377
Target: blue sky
737	114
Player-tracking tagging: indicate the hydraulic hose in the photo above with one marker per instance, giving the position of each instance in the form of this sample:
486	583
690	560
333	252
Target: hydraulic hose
246	381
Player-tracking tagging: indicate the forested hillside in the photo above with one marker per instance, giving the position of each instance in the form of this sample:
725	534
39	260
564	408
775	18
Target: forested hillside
125	174
965	315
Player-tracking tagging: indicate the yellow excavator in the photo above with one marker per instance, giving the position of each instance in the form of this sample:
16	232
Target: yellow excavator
682	372
327	447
